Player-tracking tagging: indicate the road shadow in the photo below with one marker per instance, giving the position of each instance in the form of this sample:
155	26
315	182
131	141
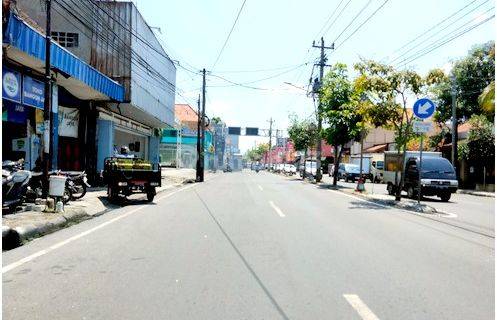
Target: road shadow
331	186
366	205
122	201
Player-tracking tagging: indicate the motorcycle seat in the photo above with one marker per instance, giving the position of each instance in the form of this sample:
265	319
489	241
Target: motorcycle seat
72	173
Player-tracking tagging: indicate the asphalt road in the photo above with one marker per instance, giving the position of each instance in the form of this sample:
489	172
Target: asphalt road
253	246
473	212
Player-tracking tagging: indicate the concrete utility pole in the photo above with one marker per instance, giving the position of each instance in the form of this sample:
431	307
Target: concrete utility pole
198	168
322	64
202	123
47	108
454	124
270	138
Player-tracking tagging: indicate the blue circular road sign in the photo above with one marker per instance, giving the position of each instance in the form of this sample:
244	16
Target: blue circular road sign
424	108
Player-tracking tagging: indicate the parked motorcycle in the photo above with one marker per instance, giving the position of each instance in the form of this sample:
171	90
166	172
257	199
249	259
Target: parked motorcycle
15	185
77	182
39	188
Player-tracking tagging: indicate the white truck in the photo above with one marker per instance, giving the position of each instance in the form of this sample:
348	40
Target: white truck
366	165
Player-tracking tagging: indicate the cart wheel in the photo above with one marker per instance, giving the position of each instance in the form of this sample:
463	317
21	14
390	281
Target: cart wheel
111	194
150	194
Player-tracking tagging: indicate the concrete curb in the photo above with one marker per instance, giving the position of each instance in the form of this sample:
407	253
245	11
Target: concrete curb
15	237
477	193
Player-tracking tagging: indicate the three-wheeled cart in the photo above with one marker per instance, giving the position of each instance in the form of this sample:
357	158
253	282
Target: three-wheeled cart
131	175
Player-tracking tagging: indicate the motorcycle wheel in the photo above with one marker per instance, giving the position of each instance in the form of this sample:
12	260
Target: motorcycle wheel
81	187
67	195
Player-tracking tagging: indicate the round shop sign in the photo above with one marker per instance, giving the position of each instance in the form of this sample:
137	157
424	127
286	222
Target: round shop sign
10	84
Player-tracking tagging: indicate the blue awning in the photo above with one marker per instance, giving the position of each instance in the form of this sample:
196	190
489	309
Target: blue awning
23	37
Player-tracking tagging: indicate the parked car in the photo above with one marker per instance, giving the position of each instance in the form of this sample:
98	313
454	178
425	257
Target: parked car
438	178
348	172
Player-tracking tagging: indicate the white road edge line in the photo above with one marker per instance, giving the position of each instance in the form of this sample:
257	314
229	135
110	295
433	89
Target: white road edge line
362	309
35	255
278	210
260	188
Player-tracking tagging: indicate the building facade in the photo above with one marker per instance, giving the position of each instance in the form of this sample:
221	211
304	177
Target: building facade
76	89
115	40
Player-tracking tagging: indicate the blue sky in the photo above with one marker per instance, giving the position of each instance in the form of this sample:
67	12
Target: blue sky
279	33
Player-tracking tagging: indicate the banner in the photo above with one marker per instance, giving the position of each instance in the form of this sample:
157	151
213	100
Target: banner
68	122
11	85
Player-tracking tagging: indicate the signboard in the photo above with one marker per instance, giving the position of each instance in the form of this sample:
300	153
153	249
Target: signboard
424	108
68	122
251	131
16	112
19	144
33	92
234	130
11	85
421	127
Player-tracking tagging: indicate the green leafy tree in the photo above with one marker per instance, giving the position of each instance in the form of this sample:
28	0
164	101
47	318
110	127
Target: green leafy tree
303	134
480	146
470	77
340	106
387	91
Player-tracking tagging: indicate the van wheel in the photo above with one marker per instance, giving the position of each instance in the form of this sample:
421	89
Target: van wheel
445	197
410	192
390	189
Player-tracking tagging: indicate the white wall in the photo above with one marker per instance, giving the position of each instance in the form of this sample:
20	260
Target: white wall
148	91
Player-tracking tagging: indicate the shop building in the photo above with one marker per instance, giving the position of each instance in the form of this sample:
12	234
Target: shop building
115	39
76	88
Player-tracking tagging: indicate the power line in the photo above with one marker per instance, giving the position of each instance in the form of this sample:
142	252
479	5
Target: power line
353	19
239	84
433	27
440	42
229	34
338	16
362	24
406	52
328	20
267	78
137	61
258	70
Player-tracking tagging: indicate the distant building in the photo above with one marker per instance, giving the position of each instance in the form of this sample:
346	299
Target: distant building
178	147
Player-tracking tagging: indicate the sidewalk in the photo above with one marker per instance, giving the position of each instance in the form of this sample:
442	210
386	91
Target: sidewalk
23	226
477	193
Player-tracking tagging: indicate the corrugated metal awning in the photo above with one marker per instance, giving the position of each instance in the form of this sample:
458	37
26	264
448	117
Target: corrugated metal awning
76	74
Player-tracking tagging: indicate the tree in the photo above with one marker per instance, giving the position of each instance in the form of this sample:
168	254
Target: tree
470	77
303	134
387	91
480	146
257	152
216	120
340	111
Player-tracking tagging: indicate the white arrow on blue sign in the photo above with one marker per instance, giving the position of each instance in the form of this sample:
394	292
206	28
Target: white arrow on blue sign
424	108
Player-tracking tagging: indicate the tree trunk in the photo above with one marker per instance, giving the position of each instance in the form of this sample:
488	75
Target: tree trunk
338	156
402	174
305	157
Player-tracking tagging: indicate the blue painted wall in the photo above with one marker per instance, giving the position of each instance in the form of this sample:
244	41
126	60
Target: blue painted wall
105	140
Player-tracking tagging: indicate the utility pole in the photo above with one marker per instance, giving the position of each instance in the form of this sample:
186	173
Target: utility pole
203	127
454	124
198	168
322	64
270	138
47	108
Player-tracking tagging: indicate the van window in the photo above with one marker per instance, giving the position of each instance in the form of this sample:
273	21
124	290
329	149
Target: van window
437	165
